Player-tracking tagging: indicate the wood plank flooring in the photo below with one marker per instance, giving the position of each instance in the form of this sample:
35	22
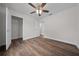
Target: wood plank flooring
40	47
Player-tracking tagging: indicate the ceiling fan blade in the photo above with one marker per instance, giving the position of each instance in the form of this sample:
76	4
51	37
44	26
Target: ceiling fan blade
43	4
46	11
31	5
32	12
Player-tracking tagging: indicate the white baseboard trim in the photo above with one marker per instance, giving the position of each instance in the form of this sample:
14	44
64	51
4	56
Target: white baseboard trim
62	41
30	37
77	45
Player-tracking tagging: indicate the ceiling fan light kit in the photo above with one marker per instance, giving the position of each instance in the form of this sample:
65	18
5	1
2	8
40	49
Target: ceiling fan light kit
38	9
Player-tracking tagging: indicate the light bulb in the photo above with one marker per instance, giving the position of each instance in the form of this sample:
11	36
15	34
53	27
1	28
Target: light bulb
37	11
40	11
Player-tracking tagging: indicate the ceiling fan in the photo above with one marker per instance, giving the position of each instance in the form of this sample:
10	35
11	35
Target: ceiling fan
39	9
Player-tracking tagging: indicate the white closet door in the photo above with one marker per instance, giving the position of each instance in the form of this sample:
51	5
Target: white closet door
15	32
8	29
16	28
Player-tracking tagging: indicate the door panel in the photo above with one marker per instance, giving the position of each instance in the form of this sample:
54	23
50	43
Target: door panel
8	29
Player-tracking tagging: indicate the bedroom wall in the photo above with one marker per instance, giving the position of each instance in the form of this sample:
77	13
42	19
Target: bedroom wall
2	26
78	25
62	26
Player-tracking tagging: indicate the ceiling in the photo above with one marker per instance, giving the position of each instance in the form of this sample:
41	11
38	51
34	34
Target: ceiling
52	7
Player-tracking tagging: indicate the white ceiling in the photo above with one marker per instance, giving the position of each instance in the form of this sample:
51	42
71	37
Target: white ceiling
52	7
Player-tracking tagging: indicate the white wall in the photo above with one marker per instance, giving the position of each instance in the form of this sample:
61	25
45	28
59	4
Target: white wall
30	28
2	26
78	25
62	26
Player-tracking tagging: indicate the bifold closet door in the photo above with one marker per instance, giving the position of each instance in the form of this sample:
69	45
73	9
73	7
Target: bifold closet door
16	27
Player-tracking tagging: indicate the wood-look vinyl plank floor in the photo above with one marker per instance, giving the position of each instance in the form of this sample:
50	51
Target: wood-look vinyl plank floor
40	46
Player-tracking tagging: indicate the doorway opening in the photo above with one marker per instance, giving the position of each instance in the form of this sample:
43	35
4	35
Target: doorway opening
17	28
